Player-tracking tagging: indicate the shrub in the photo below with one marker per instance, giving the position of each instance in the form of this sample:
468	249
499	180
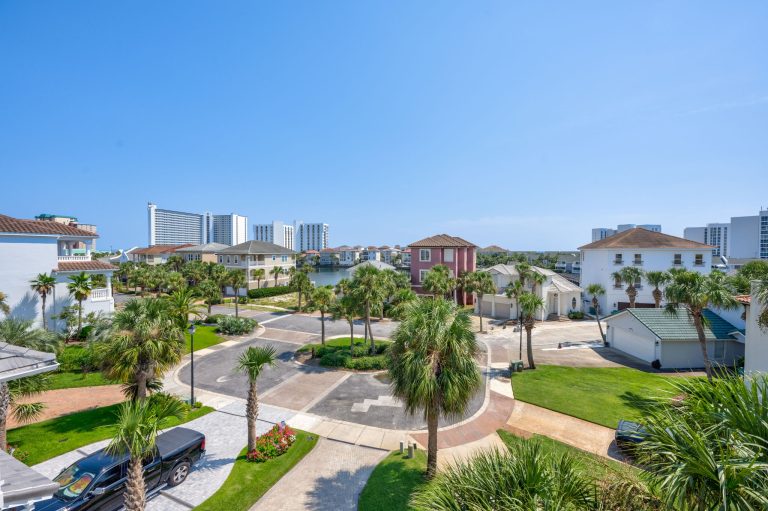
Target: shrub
213	319
576	315
242	300
341	358
76	359
230	325
266	292
273	443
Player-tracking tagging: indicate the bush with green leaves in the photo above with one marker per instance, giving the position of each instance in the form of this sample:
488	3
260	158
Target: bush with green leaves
230	325
76	359
213	319
576	315
266	292
342	358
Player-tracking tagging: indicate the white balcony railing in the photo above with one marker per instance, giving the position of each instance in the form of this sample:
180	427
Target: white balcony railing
100	294
73	258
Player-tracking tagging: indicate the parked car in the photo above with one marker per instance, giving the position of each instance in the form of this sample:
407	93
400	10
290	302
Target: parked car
97	482
629	434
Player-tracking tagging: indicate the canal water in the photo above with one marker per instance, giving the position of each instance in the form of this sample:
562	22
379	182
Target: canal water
329	276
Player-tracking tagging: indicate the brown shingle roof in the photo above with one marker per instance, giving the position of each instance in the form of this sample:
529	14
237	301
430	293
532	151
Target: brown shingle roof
442	240
10	224
85	266
643	238
160	249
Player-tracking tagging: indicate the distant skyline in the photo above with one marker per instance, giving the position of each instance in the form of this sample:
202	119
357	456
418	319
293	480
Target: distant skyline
523	126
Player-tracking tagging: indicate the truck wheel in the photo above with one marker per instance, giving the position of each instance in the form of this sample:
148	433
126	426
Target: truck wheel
178	474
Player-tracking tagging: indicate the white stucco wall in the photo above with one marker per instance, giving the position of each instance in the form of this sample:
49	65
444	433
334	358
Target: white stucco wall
597	265
627	334
756	346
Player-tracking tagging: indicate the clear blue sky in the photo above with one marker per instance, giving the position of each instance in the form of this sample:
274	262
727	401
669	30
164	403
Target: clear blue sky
519	125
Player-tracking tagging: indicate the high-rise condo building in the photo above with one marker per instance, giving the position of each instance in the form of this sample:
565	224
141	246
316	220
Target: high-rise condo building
168	227
713	234
311	236
745	237
229	229
277	232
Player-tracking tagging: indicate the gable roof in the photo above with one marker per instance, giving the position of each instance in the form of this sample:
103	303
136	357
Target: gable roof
18	225
85	266
493	249
256	247
207	248
442	240
643	238
160	249
668	327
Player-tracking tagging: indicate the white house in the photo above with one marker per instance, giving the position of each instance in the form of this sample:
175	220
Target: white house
349	256
560	296
31	247
258	255
655	334
157	254
756	347
644	249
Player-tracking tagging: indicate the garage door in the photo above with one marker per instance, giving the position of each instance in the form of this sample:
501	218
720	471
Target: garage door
633	344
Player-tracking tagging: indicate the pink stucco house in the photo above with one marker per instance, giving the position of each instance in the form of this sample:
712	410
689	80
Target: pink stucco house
456	253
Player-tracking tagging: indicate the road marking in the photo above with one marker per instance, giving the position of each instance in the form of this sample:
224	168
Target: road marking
222	379
324	393
390	401
274	319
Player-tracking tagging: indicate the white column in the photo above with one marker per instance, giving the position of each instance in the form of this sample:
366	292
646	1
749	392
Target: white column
109	286
493	305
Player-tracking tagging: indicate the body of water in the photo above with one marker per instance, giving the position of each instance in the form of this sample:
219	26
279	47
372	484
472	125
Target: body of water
329	276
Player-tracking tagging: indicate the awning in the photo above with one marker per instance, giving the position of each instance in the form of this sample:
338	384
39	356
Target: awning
20	485
17	362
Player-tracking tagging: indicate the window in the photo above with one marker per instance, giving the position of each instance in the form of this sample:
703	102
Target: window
617	259
448	255
227	259
274	258
617	282
422	274
573	303
699	260
678	259
110	477
236	260
638	259
425	254
638	283
221	259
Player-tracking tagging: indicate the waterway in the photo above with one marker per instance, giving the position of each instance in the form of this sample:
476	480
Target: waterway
329	276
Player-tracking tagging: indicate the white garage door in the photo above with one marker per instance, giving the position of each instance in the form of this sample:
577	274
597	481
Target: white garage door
633	344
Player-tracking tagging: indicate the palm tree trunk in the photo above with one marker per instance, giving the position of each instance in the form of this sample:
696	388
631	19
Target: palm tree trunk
432	417
299	309
370	333
237	306
79	318
697	323
480	310
135	489
141	384
5	406
252	413
322	328
45	325
657	297
529	346
209	307
351	337
520	328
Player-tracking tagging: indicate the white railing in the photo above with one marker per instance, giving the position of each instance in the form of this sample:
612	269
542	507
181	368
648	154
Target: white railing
74	258
100	294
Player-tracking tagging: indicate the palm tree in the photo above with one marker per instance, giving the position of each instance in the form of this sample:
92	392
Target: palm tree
537	279
4	307
656	279
438	281
251	362
175	262
258	275
322	299
432	365
481	283
183	305
347	308
400	301
367	289
145	341
524	270
694	292
514	291
343	287
629	275
236	279
276	272
138	424
210	292
597	290
44	284
761	291
21	333
301	284
530	304
80	288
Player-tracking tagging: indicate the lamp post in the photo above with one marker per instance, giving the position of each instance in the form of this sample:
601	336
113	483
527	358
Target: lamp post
192	363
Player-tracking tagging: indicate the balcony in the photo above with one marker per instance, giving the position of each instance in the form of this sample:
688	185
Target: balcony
101	294
73	258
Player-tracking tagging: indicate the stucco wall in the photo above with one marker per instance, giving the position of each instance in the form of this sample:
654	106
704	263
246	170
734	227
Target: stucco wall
627	334
756	346
687	354
21	259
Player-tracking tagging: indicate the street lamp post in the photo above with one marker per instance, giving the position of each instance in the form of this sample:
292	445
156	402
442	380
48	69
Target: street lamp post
192	363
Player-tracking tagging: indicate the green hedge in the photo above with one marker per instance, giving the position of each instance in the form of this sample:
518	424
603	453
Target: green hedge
266	292
342	359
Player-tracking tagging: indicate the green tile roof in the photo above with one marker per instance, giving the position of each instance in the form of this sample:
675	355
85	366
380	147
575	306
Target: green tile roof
680	327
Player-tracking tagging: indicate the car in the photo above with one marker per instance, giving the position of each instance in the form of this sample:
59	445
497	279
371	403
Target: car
629	434
97	482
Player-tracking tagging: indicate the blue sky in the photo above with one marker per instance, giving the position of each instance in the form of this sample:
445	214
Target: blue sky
518	125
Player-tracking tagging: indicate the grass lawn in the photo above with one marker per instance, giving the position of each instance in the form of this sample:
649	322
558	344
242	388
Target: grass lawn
248	481
602	395
205	336
286	301
392	482
48	439
342	342
70	380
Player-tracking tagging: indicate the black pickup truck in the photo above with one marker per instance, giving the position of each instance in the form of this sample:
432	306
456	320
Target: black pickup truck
97	482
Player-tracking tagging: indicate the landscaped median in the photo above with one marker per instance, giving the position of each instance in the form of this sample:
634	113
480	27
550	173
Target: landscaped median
337	352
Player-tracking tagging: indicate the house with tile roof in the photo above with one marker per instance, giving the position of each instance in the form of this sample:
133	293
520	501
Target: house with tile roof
560	296
456	253
157	254
656	335
643	249
205	253
258	255
31	247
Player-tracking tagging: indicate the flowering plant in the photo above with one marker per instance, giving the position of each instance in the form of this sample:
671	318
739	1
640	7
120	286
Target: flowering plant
273	443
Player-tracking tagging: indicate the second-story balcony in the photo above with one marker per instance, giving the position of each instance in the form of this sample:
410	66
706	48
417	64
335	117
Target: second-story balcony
73	258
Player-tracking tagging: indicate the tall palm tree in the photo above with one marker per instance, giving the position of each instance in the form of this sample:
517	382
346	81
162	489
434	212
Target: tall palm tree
514	291
694	292
80	288
43	285
367	289
210	291
524	270
596	290
761	291
657	279
236	279
144	341
138	424
183	305
481	283
4	307
630	275
438	281
22	333
252	362
301	284
173	281
343	287
259	275
530	304
321	300
175	262
537	279
276	272
347	308
432	365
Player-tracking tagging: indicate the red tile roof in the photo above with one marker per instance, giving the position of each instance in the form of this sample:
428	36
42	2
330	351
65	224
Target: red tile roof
643	238
85	266
442	240
160	249
744	299
18	225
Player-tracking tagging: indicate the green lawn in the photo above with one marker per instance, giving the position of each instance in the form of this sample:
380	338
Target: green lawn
342	342
48	439
205	336
602	395
286	301
392	482
70	380
248	481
